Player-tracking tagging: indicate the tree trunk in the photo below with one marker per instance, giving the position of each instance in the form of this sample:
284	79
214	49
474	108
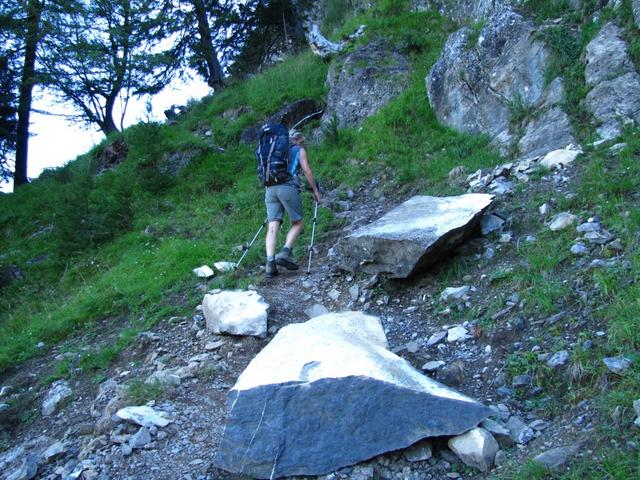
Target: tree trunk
106	124
26	88
216	77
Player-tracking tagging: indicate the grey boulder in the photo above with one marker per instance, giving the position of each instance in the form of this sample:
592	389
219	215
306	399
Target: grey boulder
363	82
413	236
326	394
615	98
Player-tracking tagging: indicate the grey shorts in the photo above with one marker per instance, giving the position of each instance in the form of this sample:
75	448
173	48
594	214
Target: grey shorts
281	198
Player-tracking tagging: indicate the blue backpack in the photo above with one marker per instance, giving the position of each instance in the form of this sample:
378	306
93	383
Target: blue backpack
272	155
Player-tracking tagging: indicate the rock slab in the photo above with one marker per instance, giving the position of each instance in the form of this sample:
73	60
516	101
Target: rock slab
236	313
413	236
326	394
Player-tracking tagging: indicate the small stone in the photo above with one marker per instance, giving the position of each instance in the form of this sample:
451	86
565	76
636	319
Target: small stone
519	431
556	458
562	221
618	365
458	334
419	452
57	394
544	209
579	249
54	452
126	449
436	338
589	227
559	359
203	272
334	295
477	448
412	347
521	381
499	432
454	294
598	238
141	438
491	223
505	237
354	292
539	425
144	416
504	391
210	346
433	366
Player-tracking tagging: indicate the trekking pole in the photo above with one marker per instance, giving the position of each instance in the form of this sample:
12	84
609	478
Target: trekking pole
247	247
313	232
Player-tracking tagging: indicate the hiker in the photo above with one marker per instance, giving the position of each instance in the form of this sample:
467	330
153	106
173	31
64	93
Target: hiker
286	196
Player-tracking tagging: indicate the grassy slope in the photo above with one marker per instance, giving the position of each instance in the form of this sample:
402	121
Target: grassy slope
123	244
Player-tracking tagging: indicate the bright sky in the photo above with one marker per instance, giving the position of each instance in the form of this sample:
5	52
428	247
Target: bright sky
55	141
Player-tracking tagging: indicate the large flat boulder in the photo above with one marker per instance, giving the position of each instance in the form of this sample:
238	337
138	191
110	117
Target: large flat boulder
327	393
413	236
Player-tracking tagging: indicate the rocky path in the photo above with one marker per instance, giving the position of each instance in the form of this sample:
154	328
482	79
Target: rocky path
442	337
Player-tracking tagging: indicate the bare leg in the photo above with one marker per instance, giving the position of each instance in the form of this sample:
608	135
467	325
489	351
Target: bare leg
272	237
294	232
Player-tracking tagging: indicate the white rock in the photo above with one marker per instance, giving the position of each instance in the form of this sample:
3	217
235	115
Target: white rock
165	378
562	221
544	209
203	272
454	294
58	392
236	313
433	366
224	266
144	416
457	334
559	158
477	448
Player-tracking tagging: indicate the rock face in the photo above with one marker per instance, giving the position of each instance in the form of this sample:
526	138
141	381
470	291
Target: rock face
462	10
363	82
288	115
326	394
236	313
478	80
615	97
413	236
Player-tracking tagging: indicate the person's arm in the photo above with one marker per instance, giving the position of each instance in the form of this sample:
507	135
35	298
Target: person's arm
306	169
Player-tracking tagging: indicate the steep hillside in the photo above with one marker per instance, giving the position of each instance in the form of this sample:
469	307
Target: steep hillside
96	257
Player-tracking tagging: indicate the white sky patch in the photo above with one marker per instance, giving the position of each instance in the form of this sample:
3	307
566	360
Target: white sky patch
55	140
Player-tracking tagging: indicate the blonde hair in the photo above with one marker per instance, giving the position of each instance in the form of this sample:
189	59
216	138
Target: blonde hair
296	137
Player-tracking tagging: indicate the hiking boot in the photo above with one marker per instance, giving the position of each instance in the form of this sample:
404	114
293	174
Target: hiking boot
270	269
284	259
